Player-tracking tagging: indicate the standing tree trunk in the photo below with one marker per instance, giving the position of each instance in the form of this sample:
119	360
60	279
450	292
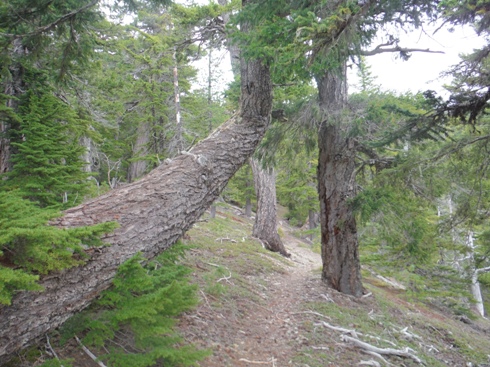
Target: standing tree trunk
265	226
336	184
14	87
152	213
138	167
179	133
475	284
4	148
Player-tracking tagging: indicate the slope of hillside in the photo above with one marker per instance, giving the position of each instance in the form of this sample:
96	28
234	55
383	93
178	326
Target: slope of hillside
258	308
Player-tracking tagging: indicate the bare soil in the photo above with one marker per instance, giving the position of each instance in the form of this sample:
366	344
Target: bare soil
263	331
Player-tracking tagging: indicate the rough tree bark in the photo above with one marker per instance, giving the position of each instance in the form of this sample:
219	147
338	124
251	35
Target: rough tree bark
336	184
152	213
265	226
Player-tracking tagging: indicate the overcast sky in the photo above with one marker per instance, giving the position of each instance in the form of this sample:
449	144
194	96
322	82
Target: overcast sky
421	71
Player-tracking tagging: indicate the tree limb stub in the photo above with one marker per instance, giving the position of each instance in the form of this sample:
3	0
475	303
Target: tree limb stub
152	213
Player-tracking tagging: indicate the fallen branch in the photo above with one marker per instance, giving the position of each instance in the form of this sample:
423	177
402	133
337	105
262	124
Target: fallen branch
355	334
89	353
379	356
386	351
409	335
258	362
341	329
221	239
311	313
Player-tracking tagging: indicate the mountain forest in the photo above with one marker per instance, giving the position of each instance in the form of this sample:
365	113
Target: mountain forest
152	214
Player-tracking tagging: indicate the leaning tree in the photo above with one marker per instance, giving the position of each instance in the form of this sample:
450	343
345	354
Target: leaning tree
152	214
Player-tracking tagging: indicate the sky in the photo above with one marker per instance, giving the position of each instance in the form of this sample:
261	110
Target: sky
422	70
420	73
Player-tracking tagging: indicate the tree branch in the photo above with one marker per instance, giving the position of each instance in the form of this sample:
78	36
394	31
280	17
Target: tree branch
482	270
404	50
50	26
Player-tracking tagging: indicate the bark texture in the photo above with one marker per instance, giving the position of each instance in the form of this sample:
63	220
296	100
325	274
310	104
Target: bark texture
152	212
336	184
265	226
138	167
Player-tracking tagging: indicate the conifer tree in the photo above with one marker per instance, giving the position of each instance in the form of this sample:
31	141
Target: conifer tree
47	166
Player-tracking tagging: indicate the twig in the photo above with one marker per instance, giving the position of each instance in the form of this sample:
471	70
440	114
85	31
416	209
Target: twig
89	353
205	298
52	350
311	313
388	351
254	362
224	278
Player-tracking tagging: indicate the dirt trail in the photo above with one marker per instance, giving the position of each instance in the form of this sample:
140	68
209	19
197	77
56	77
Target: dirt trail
260	333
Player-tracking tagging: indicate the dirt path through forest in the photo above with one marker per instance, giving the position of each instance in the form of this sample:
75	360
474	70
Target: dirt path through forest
262	332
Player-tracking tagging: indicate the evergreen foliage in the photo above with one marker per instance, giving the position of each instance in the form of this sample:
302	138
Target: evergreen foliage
134	320
29	246
47	165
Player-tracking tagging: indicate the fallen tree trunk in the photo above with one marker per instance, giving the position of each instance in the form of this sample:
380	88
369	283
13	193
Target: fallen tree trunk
152	213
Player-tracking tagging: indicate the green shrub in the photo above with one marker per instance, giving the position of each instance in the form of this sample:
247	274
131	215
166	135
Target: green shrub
29	246
133	322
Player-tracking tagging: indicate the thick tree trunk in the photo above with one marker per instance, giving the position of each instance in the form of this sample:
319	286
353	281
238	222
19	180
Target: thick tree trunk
336	184
265	226
152	212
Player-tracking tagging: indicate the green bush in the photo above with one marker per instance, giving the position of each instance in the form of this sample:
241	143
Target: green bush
29	246
133	322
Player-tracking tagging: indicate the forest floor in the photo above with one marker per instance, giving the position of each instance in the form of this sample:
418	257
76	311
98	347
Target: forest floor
258	308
